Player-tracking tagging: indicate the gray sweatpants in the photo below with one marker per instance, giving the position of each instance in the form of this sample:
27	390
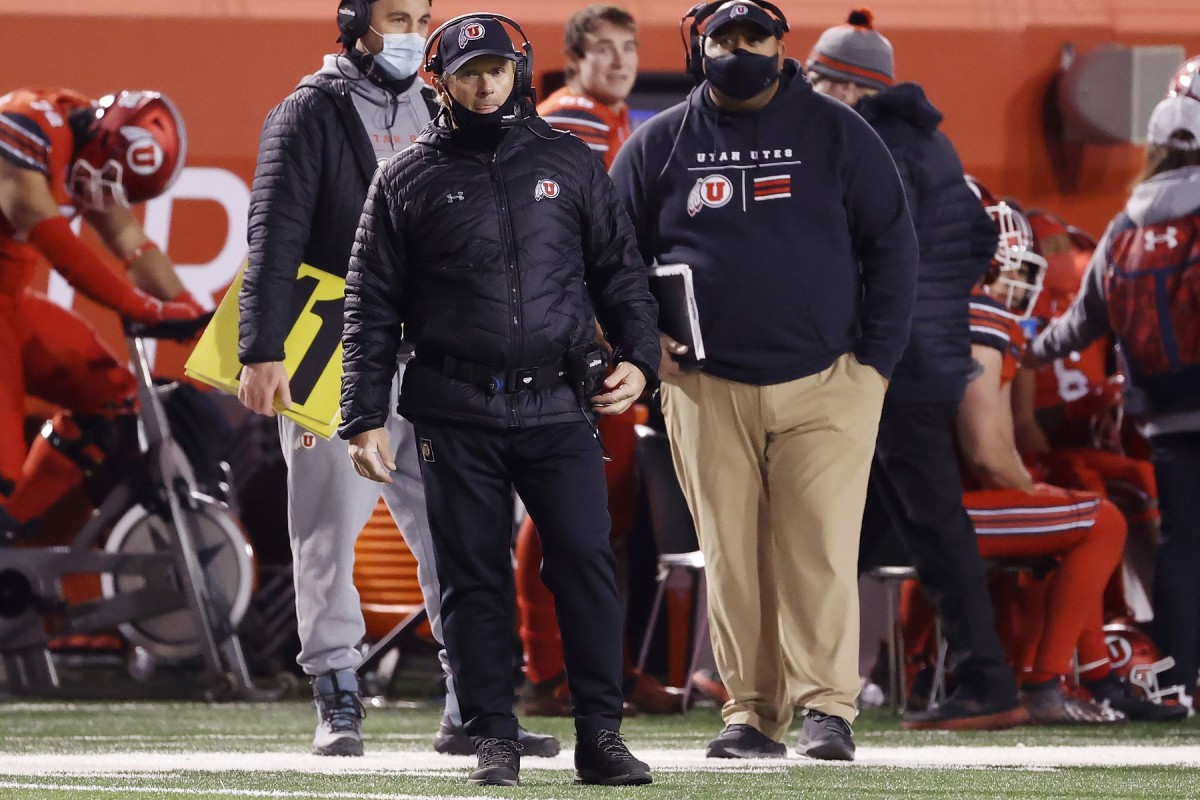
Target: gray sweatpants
328	506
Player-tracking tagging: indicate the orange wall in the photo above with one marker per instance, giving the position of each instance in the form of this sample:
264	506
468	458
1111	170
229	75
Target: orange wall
987	64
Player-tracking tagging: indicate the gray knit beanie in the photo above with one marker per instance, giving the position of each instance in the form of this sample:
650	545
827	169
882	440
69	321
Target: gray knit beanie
854	52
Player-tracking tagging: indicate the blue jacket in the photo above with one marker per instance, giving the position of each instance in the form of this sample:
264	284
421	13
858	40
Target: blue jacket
794	222
955	237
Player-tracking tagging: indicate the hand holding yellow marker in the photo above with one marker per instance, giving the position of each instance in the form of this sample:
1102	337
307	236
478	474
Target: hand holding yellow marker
313	349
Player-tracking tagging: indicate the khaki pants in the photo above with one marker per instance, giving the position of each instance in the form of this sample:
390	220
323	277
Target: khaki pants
776	479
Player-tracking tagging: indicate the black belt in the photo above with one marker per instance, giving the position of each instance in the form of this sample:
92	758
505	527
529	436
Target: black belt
492	380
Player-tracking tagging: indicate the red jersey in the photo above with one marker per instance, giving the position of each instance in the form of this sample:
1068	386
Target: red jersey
1069	379
600	128
993	325
35	134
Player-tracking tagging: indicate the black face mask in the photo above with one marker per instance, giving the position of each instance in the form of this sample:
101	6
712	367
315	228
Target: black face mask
741	74
475	129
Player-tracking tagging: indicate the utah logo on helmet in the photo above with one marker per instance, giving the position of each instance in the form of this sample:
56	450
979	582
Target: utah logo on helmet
1135	657
133	150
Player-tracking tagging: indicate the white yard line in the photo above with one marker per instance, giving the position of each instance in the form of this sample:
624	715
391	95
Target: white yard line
415	763
126	791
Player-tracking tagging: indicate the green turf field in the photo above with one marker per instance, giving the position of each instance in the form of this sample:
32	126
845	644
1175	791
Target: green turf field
55	751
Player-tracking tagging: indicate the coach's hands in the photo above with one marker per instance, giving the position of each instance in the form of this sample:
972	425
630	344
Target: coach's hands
261	384
625	384
669	367
371	454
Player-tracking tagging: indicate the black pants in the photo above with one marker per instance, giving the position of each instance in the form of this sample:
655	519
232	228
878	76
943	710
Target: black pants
1176	459
558	471
915	482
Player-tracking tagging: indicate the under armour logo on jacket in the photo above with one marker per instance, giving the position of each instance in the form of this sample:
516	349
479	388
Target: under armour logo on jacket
454	198
1168	238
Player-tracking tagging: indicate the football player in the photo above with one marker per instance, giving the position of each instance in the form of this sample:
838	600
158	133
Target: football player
1019	519
64	155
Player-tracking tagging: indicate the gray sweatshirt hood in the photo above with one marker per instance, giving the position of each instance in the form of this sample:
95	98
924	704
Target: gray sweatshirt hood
337	65
392	121
1169	195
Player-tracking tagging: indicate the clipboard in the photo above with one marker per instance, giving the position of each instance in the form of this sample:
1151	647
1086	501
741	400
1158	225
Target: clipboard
672	287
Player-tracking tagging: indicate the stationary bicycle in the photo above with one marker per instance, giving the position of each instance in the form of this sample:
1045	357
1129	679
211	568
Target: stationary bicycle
176	572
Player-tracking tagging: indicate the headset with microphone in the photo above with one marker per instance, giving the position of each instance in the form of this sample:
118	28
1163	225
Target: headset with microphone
693	39
523	79
353	21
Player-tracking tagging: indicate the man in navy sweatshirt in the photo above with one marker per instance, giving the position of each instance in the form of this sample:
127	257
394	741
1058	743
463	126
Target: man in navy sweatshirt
789	210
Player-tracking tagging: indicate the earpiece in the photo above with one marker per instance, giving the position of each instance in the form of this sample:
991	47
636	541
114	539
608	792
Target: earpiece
693	40
353	21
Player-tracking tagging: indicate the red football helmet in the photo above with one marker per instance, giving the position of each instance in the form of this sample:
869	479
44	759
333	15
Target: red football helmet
1135	658
1020	267
132	151
1061	282
1187	80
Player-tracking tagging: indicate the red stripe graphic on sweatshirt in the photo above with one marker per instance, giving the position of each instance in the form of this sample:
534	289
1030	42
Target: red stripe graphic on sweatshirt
772	187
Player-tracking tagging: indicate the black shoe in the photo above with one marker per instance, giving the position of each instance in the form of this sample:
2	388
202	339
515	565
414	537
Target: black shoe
499	763
744	741
1049	704
961	712
452	740
826	737
1115	692
602	759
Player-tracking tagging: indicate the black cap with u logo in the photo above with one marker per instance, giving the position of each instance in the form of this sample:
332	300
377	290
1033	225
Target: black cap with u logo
471	37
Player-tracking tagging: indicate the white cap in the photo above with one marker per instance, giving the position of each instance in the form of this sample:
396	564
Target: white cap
1175	113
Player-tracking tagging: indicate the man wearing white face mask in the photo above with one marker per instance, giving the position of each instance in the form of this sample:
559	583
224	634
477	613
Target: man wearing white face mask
317	153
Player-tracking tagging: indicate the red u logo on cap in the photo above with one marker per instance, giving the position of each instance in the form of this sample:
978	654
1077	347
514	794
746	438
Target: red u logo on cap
470	32
737	11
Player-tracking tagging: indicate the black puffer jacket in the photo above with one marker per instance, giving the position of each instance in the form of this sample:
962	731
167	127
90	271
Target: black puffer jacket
955	237
314	165
504	260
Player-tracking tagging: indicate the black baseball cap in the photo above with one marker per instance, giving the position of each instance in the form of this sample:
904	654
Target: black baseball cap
741	12
474	36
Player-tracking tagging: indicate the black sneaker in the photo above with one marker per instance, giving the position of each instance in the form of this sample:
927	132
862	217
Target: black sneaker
1049	704
453	740
499	763
339	714
826	737
603	759
961	712
1114	692
744	741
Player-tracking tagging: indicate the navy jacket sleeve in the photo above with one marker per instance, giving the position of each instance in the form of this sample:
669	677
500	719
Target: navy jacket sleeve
886	246
616	279
628	174
282	198
371	331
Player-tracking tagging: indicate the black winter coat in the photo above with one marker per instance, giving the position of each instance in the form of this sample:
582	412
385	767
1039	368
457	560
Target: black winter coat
503	259
955	236
314	165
